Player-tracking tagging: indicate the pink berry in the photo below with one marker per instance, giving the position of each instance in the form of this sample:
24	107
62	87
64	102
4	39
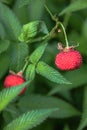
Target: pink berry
68	59
13	80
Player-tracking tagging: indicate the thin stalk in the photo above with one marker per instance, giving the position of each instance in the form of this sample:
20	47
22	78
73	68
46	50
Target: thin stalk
65	35
57	24
52	16
25	65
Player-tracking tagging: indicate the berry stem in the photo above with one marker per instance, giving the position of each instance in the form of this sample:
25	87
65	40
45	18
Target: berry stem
65	35
25	65
54	17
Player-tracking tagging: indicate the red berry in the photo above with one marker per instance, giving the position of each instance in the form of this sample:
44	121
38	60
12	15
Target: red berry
13	80
68	59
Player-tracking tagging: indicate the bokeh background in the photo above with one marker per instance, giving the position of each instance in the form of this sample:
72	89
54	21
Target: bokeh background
76	28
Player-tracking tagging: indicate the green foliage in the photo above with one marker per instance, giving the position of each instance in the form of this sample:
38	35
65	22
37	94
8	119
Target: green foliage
50	73
4	44
29	120
10	22
30	72
37	13
31	30
77	77
7	95
10	113
2	32
37	54
6	1
21	3
18	53
83	122
75	6
41	102
4	63
84	29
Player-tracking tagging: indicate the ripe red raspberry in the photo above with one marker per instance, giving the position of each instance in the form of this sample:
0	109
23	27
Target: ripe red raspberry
68	59
13	80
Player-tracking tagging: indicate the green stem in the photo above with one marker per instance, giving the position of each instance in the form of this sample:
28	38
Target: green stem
48	36
38	39
65	35
52	16
25	65
57	24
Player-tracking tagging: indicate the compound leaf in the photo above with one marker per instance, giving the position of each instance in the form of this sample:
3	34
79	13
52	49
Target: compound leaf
31	30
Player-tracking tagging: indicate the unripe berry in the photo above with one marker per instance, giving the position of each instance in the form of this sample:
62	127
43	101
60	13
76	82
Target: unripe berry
68	59
13	80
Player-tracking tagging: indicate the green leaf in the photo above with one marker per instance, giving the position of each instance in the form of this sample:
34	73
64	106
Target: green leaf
65	94
37	13
50	73
6	1
2	31
31	30
44	102
30	72
21	3
4	63
84	29
75	6
10	113
78	78
4	44
10	22
29	120
7	95
37	54
83	122
18	53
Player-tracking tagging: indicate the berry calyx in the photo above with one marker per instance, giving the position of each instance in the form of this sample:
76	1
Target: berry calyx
68	58
14	79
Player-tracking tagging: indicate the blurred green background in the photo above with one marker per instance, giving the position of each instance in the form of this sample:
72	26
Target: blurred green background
76	28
